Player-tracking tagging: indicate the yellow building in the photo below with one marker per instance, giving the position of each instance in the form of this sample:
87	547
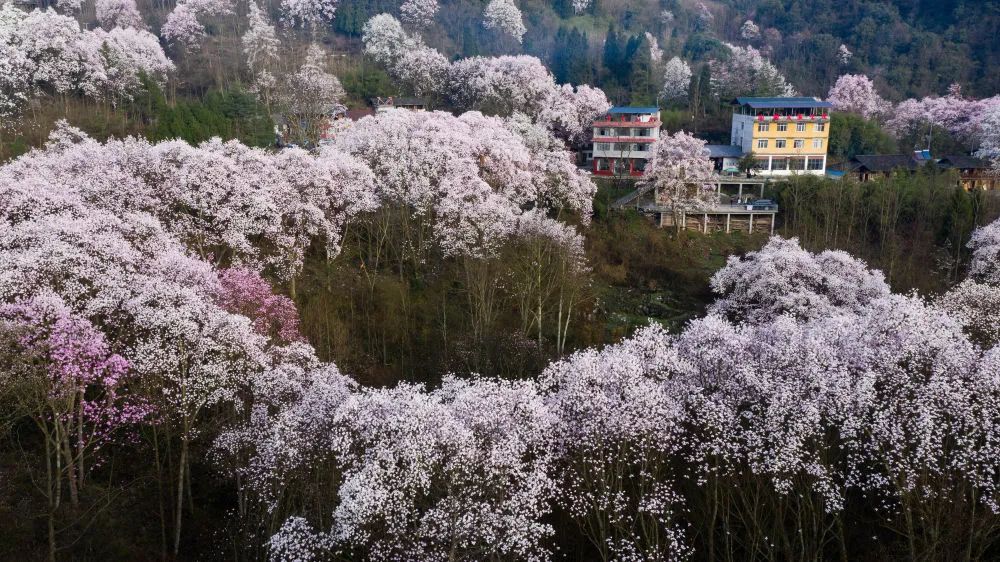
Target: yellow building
787	135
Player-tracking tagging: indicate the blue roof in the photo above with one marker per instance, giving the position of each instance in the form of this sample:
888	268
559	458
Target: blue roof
777	103
617	110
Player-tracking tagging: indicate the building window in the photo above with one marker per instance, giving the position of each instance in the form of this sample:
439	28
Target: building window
820	127
782	127
603	146
817	143
639	165
815	164
644	133
779	143
621	166
761	143
602	164
638	147
763	127
800	127
762	164
796	163
799	143
779	164
602	132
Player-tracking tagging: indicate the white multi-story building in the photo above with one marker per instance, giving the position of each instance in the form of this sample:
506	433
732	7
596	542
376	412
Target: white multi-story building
623	139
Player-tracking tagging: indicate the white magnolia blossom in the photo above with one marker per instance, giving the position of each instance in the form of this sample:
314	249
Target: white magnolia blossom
844	54
676	80
118	13
418	13
504	15
782	278
747	72
43	50
308	13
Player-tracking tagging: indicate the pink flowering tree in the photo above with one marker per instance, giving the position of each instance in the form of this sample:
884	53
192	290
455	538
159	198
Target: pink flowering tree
59	371
245	292
855	93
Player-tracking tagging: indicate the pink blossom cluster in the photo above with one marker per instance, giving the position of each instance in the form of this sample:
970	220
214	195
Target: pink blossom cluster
963	117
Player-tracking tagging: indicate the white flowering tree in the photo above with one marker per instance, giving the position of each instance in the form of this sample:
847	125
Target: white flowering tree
676	80
855	93
747	72
504	16
680	175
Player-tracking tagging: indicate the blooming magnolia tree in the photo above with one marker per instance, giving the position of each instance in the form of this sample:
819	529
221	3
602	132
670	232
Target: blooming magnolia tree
747	72
855	93
962	117
782	278
676	80
504	16
680	174
183	26
989	138
43	51
749	30
419	13
260	45
118	13
309	97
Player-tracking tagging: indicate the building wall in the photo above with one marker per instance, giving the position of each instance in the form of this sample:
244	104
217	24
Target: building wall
747	134
626	140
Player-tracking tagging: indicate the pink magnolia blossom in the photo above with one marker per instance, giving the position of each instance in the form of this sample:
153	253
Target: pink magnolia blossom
244	291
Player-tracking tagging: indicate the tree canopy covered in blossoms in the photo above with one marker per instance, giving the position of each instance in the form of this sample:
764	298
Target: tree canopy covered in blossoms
746	72
855	93
43	52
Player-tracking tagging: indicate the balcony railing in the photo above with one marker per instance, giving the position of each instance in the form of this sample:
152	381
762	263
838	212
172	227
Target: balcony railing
630	122
792	118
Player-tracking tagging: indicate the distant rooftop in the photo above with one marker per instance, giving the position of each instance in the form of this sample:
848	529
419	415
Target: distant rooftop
630	110
777	103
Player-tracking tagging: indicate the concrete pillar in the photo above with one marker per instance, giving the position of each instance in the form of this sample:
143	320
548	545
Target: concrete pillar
772	223
740	196
684	221
728	216
761	191
751	223
704	225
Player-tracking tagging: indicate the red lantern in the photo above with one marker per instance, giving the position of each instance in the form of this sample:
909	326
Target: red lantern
800	116
760	117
